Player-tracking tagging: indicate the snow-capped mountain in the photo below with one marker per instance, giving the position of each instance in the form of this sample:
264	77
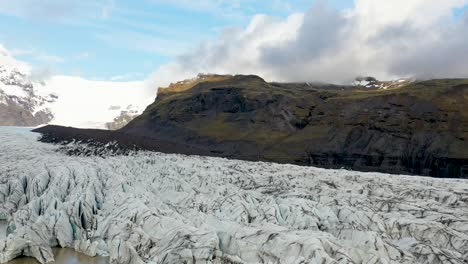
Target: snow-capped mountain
22	101
371	82
164	208
66	100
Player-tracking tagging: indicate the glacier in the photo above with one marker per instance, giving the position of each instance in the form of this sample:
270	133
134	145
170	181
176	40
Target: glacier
166	208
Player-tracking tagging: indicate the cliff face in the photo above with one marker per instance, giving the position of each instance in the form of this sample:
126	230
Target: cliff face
419	128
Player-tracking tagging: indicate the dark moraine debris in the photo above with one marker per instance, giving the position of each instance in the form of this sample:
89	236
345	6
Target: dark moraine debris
107	142
418	128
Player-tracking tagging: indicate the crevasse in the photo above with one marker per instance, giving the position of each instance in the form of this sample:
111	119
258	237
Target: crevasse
160	208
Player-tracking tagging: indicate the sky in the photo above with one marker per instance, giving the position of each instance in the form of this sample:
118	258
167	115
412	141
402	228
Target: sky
119	40
298	40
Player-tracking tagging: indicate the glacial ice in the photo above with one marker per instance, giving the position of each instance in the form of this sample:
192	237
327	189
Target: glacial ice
160	208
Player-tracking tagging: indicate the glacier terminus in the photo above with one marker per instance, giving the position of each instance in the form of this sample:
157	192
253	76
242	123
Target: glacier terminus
166	208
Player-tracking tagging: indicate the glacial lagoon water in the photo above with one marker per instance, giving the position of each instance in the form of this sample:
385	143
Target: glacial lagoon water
65	256
62	255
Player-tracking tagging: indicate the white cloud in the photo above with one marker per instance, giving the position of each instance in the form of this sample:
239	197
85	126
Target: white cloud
41	56
41	74
383	38
6	59
127	76
20	52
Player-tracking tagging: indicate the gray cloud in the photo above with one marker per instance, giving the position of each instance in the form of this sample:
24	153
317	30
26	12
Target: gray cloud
447	56
319	33
41	74
387	40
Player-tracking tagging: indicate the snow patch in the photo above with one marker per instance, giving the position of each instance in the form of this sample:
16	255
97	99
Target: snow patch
14	90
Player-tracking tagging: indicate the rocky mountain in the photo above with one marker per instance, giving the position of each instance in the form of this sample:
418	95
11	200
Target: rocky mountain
371	82
418	128
22	101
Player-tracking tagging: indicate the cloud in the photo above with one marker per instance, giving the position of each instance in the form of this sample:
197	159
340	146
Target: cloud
386	39
41	74
20	52
34	54
127	76
445	55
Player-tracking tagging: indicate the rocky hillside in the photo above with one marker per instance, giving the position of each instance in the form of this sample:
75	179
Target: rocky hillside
417	128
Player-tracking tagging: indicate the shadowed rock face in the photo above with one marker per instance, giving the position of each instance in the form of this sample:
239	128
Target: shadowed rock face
421	128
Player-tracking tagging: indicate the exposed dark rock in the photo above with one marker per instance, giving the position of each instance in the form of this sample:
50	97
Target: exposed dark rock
96	142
